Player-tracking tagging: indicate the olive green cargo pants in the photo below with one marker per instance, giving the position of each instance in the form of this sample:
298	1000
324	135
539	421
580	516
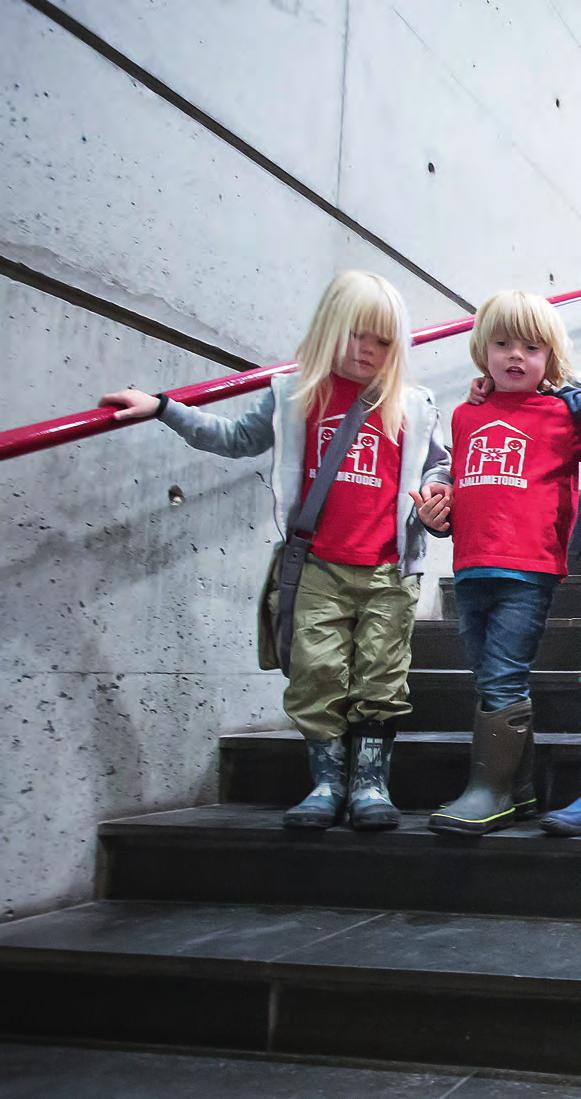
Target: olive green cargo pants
350	652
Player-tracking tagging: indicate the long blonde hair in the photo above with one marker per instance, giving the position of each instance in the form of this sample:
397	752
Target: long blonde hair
356	301
514	315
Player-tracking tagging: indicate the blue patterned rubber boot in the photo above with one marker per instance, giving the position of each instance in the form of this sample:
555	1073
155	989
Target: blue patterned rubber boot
370	806
323	807
563	822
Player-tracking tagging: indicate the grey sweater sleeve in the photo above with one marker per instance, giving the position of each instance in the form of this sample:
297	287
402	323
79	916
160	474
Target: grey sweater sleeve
437	463
245	437
437	468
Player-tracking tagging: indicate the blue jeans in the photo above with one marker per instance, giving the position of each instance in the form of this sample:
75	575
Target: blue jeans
501	625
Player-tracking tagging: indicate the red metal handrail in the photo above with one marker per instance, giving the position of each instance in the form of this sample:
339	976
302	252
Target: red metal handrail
81	425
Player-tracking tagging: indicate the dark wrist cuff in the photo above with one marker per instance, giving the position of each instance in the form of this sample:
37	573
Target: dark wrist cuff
163	399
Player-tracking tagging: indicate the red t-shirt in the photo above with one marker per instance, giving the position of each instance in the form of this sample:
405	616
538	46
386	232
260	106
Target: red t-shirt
358	523
516	482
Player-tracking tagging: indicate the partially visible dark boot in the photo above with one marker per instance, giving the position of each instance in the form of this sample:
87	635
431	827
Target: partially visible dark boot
523	792
486	804
323	807
370	806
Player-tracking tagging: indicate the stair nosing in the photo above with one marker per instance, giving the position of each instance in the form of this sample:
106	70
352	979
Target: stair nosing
339	838
81	959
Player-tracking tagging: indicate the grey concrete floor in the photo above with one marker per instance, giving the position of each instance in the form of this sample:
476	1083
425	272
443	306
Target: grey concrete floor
73	1072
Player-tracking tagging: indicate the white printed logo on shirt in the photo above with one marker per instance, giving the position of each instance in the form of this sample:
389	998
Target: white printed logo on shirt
362	455
496	456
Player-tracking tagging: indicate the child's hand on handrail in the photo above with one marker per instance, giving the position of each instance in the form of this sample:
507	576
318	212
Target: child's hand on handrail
138	405
480	388
433	506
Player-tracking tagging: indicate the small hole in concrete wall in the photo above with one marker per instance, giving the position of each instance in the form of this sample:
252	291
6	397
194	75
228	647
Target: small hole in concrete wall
557	103
176	496
551	276
431	168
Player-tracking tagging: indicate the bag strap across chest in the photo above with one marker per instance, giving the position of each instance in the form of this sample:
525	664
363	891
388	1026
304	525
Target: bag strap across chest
299	540
333	458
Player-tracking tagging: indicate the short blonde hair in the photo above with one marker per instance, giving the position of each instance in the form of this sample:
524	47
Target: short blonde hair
512	315
356	301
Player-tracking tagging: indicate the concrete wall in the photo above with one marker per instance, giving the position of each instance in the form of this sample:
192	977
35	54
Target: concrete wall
134	171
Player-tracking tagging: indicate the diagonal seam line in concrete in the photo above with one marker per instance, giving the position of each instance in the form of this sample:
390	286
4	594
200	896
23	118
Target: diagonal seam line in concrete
19	272
158	87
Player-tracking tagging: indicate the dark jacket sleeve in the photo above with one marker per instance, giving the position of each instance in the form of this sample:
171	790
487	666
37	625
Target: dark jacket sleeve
571	395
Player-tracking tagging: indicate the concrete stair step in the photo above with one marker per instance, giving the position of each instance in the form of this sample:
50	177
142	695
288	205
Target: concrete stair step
242	854
367	982
183	1074
428	768
566	600
437	644
445	700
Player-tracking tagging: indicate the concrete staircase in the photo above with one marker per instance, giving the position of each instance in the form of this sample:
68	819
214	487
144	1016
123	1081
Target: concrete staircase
215	928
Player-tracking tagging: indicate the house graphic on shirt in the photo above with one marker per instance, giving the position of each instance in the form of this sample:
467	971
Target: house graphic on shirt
362	455
496	456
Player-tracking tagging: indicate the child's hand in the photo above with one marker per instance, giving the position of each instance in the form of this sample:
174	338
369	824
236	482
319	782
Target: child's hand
437	488
433	510
479	390
137	404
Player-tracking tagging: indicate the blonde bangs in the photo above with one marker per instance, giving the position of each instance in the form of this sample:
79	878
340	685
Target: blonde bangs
356	300
375	310
514	315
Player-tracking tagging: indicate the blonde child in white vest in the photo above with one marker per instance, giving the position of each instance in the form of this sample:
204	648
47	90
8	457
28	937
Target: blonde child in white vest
355	604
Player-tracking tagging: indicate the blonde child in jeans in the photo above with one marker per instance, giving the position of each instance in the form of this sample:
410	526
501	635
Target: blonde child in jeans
355	604
515	466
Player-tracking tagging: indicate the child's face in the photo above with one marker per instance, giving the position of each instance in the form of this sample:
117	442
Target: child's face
516	366
364	358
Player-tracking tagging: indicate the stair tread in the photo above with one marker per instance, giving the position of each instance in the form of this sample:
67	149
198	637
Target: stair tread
231	820
274	736
242	853
354	944
436	643
569	678
150	1074
451	624
573	580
